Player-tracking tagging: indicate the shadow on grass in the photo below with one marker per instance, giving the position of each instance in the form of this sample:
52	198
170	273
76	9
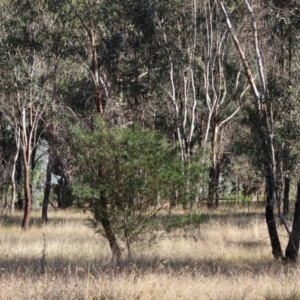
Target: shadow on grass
7	220
140	266
174	221
10	220
166	222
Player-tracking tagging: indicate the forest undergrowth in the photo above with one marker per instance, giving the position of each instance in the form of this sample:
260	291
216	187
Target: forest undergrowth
226	256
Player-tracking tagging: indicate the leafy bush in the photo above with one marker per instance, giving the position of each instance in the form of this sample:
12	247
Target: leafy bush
140	172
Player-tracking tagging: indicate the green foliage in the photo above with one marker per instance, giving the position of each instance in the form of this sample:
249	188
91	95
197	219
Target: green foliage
170	222
141	171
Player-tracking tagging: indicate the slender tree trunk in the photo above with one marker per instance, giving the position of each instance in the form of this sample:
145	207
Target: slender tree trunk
270	218
286	195
5	196
47	192
26	138
211	187
213	193
213	190
27	211
217	178
292	249
173	200
13	173
1	194
127	244
13	189
102	214
18	180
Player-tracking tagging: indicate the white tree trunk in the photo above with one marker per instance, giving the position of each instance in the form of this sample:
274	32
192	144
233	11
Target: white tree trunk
13	173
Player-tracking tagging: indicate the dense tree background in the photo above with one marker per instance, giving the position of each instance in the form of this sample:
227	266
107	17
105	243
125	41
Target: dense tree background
124	106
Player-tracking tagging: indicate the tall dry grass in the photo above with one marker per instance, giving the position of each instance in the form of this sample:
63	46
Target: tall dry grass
227	257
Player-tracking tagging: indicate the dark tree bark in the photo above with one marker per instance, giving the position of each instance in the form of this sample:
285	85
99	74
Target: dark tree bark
213	186
1	195
5	196
27	209
292	249
270	218
213	171
174	198
33	154
217	179
286	195
264	125
18	181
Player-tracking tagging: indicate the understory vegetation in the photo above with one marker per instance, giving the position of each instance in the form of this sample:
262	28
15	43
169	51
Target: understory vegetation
224	256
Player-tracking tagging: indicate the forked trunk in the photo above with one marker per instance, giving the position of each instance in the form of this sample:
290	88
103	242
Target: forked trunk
292	249
102	214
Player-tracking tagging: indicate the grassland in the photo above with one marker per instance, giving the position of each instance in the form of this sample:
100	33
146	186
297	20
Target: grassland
226	256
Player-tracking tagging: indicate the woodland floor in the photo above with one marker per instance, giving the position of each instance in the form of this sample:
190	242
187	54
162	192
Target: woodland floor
227	255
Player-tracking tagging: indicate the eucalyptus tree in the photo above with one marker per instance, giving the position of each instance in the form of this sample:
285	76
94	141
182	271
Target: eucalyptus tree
283	84
27	84
222	88
175	32
270	94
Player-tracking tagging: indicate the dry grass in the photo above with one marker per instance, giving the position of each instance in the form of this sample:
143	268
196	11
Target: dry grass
227	257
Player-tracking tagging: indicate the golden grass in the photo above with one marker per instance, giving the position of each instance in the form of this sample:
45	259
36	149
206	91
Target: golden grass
227	257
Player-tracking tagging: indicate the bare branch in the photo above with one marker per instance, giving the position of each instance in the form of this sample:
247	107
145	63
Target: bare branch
257	51
242	57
